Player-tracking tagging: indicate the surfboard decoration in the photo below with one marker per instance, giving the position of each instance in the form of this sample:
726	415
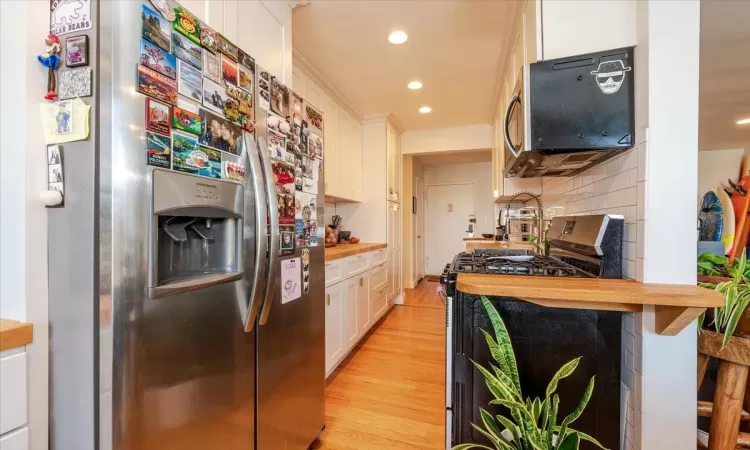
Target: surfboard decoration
728	222
711	217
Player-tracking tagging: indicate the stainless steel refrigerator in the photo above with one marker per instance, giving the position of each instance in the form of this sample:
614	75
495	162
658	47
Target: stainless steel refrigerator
167	329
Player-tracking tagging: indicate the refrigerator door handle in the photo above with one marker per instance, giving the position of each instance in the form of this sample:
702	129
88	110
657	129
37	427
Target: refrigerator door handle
255	183
274	246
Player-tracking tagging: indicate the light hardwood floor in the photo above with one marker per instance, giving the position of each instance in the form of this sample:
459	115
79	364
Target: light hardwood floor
390	392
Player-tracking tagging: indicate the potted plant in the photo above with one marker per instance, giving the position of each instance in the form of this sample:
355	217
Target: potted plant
532	424
731	279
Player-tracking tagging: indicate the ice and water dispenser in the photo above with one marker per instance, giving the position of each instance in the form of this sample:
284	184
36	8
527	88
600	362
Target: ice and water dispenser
196	233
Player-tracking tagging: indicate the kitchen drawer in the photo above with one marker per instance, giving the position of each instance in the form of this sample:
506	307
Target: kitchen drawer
378	279
335	271
17	440
378	257
356	265
379	304
12	389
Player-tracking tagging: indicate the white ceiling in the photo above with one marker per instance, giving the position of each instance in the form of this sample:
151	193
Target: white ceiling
724	74
460	157
454	48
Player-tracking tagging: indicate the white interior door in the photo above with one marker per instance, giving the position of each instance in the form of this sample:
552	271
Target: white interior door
420	229
448	209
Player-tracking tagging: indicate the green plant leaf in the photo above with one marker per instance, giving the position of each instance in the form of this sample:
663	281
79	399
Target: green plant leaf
552	419
536	409
572	417
497	387
544	415
564	371
571	442
507	382
489	424
495	441
510	426
586	437
469	446
508	364
734	317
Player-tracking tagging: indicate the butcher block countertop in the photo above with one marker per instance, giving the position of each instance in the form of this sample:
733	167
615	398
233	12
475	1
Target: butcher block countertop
344	250
676	305
14	334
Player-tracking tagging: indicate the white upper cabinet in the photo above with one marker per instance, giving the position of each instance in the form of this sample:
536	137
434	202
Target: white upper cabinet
331	145
342	140
581	26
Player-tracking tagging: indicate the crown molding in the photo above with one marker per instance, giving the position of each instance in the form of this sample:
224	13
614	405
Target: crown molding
383	117
299	60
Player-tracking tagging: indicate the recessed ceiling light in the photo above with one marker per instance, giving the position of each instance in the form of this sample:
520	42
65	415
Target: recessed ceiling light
416	84
398	37
425	109
743	121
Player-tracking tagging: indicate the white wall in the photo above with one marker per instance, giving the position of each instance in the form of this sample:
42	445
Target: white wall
716	166
23	175
573	27
469	137
478	173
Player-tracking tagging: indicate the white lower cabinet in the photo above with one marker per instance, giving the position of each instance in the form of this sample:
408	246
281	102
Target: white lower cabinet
379	304
363	304
351	329
16	440
13	401
334	325
353	304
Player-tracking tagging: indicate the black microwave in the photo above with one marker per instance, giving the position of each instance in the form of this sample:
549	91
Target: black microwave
568	114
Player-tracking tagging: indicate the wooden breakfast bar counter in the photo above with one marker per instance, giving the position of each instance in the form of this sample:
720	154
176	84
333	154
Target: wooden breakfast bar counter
676	305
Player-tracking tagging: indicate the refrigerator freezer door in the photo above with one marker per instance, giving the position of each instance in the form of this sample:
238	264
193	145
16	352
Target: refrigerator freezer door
255	232
273	209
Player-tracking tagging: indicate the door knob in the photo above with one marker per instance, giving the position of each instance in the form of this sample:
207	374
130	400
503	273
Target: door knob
419	237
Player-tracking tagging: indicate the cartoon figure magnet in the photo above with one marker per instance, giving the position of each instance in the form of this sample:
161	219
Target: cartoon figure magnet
51	59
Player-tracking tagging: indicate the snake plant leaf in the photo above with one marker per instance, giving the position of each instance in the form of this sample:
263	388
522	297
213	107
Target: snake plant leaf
508	364
510	404
552	420
498	389
490	425
507	382
565	371
470	446
571	442
586	437
510	426
545	414
572	417
536	409
495	441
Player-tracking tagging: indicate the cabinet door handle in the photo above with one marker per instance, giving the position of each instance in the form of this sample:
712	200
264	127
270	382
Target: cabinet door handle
328	299
361	282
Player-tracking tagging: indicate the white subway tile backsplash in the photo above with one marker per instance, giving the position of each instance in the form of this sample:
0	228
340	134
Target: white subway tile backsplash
613	188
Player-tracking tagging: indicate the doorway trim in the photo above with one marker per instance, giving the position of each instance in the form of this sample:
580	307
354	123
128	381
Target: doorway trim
419	189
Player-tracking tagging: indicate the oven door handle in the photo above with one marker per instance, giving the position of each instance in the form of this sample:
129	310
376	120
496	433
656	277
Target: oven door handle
508	143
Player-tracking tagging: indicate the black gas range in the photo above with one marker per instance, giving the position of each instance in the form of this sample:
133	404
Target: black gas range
579	247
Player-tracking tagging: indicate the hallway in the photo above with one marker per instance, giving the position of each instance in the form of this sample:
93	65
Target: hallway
390	394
